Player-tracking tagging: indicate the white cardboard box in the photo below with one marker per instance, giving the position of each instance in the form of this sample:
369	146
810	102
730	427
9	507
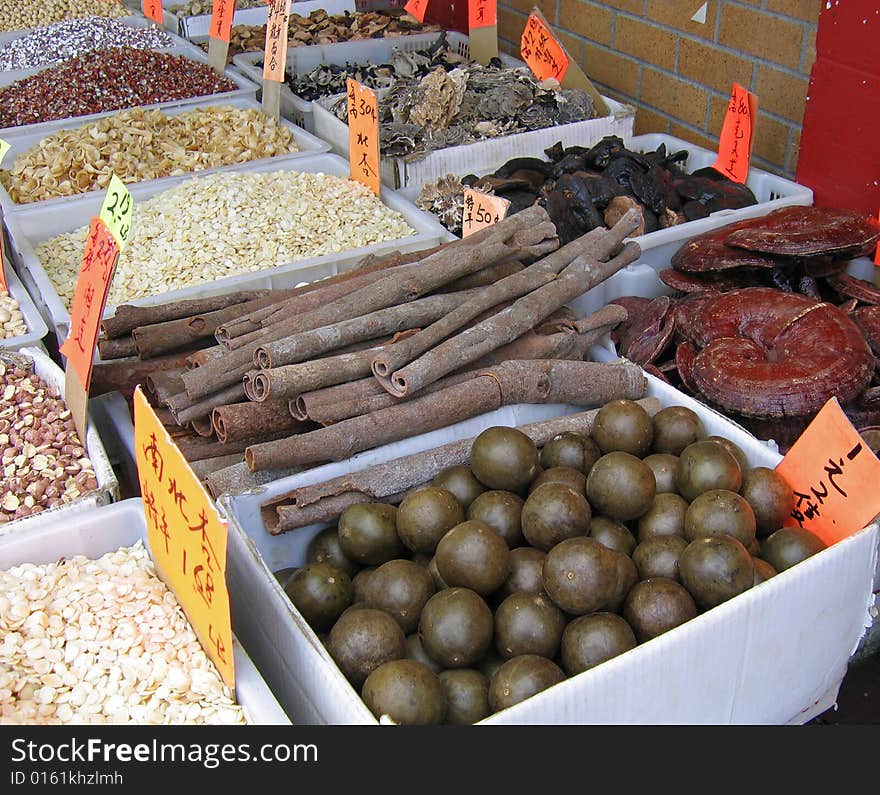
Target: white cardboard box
775	654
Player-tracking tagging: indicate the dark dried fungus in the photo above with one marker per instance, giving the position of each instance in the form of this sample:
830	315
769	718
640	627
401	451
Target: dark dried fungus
685	354
768	354
657	372
851	287
644	335
686	282
868	320
709	252
808	231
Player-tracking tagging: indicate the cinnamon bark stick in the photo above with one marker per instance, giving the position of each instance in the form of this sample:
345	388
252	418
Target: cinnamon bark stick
609	315
186	410
202	469
484	277
331	394
238	478
324	502
233	423
506	325
198	448
203	426
124	375
119	348
163	384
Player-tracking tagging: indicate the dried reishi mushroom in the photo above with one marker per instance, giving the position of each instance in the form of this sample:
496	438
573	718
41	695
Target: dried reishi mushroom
710	252
868	320
851	287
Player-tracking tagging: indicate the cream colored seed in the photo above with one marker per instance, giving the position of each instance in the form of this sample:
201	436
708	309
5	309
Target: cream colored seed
20	14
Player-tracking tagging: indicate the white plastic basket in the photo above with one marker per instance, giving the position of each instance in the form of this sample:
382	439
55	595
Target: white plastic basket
29	224
36	326
732	664
301	60
200	25
20	142
104	530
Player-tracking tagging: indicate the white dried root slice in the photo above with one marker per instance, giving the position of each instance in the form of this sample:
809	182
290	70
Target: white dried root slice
103	641
138	145
230	223
11	319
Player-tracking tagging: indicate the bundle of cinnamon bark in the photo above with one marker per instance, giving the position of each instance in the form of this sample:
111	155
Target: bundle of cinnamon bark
259	385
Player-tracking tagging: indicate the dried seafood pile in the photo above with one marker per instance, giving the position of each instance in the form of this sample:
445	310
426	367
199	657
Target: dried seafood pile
584	188
257	385
770	326
470	103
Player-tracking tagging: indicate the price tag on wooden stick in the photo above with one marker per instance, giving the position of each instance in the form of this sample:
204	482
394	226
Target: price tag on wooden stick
118	210
220	31
4	148
417	8
481	210
363	135
834	476
483	29
737	135
275	56
153	10
187	536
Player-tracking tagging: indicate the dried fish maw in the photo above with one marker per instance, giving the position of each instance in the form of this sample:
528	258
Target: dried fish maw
809	231
709	252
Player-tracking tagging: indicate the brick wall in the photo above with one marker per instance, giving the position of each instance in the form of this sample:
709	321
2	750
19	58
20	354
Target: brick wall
678	73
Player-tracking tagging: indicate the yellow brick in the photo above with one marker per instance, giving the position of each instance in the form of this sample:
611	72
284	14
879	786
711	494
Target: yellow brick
675	97
699	139
760	34
510	26
709	65
678	13
586	19
781	93
610	69
810	58
547	7
573	46
647	121
771	140
795	151
802	9
645	41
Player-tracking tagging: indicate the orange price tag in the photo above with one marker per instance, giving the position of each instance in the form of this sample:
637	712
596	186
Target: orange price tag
482	13
834	475
92	286
417	8
363	135
3	283
275	55
735	143
153	10
187	536
877	251
221	19
481	210
540	50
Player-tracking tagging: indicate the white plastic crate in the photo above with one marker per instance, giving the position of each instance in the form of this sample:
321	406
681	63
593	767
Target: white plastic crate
21	142
27	225
732	664
36	326
105	530
201	24
301	60
108	487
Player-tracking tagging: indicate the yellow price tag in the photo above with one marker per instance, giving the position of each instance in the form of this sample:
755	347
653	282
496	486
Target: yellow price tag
4	148
117	210
187	536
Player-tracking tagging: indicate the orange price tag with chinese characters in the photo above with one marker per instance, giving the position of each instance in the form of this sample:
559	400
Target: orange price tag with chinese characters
89	297
153	10
417	8
540	50
737	133
275	55
363	135
481	210
482	13
187	536
221	19
834	475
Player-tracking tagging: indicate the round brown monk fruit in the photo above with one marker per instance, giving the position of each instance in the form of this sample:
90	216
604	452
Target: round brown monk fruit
659	556
716	569
439	582
567	476
657	605
663	466
326	548
623	425
580	575
504	458
528	623
570	450
467	696
502	511
703	466
788	546
425	516
368	533
461	482
490	664
552	513
359	584
620	486
400	588
415	651
526	572
456	627
520	678
720	512
625	577
283	575
406	691
675	427
594	639
733	448
612	534
665	517
320	592
763	570
361	640
770	496
472	555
